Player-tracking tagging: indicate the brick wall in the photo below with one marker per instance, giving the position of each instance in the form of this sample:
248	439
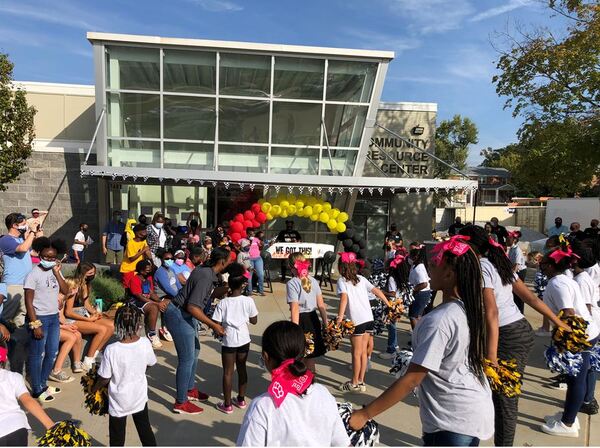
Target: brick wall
73	199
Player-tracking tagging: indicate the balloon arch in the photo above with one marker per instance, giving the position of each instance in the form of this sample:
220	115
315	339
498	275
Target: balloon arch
303	206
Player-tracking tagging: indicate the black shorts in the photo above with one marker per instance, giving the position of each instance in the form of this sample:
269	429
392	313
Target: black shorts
241	349
366	327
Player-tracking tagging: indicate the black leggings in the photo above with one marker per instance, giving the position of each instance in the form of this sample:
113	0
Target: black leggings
230	362
17	438
117	426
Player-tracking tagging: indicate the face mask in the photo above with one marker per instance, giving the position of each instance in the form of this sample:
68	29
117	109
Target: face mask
22	228
179	261
47	264
143	237
159	225
90	278
208	246
169	263
246	249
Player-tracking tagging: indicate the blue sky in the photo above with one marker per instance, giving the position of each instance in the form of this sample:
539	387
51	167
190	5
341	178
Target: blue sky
443	47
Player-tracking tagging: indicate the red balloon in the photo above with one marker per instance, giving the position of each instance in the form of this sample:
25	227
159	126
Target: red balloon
239	217
249	214
247	224
236	236
261	217
236	227
255	224
232	256
255	208
244	234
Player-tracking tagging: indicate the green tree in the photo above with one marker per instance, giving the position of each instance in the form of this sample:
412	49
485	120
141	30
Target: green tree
16	127
452	140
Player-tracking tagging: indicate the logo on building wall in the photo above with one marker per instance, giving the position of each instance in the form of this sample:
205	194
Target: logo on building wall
409	160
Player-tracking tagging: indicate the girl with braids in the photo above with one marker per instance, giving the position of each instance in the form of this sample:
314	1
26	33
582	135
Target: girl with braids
509	334
79	309
294	411
563	294
123	369
449	351
354	290
234	313
305	298
419	278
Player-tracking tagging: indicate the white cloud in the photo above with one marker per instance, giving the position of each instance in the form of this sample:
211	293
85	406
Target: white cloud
499	10
217	5
379	41
431	16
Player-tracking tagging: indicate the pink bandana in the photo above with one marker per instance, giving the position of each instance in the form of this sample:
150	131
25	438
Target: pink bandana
302	268
247	275
455	245
348	257
283	382
496	244
360	262
397	261
3	354
559	254
514	234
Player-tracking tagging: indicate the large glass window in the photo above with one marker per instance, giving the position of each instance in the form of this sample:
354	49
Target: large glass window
345	124
134	153
189	71
133	115
296	123
189	117
189	156
244	74
133	68
294	160
247	159
341	163
244	121
180	201
350	81
299	78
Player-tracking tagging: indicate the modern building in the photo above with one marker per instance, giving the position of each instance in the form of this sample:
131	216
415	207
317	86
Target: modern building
181	125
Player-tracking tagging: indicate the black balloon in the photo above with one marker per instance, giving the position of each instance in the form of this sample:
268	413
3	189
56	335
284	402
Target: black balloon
356	238
355	248
362	243
349	233
362	253
342	236
347	244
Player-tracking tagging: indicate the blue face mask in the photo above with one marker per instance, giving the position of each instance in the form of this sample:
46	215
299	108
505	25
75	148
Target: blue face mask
169	263
47	264
158	225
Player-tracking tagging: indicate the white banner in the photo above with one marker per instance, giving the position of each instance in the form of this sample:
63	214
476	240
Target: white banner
309	250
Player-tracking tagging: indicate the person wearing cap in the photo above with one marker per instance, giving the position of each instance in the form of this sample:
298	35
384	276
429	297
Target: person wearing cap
289	235
137	250
15	247
37	219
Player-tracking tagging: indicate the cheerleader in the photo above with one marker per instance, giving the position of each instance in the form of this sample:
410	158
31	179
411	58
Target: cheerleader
419	278
304	298
447	364
509	334
354	290
294	411
563	294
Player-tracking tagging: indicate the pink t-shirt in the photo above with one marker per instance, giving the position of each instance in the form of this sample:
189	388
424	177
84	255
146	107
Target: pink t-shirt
254	251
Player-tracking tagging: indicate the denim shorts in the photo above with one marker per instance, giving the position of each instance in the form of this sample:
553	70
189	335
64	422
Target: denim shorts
422	298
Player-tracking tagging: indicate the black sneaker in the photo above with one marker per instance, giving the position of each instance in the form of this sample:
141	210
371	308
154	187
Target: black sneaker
590	408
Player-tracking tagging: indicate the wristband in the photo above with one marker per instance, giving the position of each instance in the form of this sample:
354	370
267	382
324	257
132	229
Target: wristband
35	324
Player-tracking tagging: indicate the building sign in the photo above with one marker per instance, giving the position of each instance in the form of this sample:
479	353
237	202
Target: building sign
309	250
409	159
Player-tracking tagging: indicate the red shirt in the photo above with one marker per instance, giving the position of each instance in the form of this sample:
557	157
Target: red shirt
139	285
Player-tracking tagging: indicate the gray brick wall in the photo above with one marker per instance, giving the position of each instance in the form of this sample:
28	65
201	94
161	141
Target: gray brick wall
73	199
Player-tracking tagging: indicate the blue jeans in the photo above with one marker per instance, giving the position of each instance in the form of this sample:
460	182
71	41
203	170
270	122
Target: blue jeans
258	266
184	329
392	341
580	388
447	438
42	353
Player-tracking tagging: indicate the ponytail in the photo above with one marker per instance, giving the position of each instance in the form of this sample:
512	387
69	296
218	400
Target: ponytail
283	340
304	280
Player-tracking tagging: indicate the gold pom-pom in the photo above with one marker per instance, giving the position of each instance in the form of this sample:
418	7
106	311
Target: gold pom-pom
95	402
310	343
395	311
65	433
503	378
333	333
574	341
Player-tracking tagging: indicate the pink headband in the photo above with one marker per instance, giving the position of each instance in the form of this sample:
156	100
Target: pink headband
496	244
348	257
397	260
360	262
3	354
559	254
302	268
247	275
283	382
514	234
455	245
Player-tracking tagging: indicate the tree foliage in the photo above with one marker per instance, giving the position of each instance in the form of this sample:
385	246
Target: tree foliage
16	127
452	140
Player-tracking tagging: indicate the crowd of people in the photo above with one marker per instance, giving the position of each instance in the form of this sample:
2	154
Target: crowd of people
176	279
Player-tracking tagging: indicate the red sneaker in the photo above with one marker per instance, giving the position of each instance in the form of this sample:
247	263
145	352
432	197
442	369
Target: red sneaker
195	395
187	408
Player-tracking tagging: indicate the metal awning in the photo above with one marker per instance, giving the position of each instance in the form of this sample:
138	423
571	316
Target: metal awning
309	183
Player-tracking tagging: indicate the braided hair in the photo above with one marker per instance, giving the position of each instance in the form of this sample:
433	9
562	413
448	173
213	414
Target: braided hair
399	274
480	242
128	320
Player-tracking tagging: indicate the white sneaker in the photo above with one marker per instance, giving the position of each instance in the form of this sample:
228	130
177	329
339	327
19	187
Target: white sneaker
155	340
558	417
558	428
165	334
88	363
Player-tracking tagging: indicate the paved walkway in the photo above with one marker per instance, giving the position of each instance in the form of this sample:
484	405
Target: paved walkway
400	426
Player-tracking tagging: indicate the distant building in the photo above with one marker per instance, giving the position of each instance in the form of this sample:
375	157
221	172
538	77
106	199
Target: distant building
493	183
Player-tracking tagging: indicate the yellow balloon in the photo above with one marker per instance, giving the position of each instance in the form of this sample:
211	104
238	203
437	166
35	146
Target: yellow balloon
318	208
276	210
308	210
300	212
335	212
284	213
311	200
341	227
299	204
261	201
280	197
343	217
314	217
265	207
324	217
291	209
331	224
326	206
269	216
284	203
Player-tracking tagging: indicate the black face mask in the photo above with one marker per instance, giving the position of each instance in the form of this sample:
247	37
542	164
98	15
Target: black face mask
89	279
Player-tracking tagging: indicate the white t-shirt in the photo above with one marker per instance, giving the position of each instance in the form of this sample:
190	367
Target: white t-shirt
309	420
507	309
358	308
79	236
594	273
516	257
418	274
590	294
234	314
125	365
561	293
451	397
307	301
12	417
